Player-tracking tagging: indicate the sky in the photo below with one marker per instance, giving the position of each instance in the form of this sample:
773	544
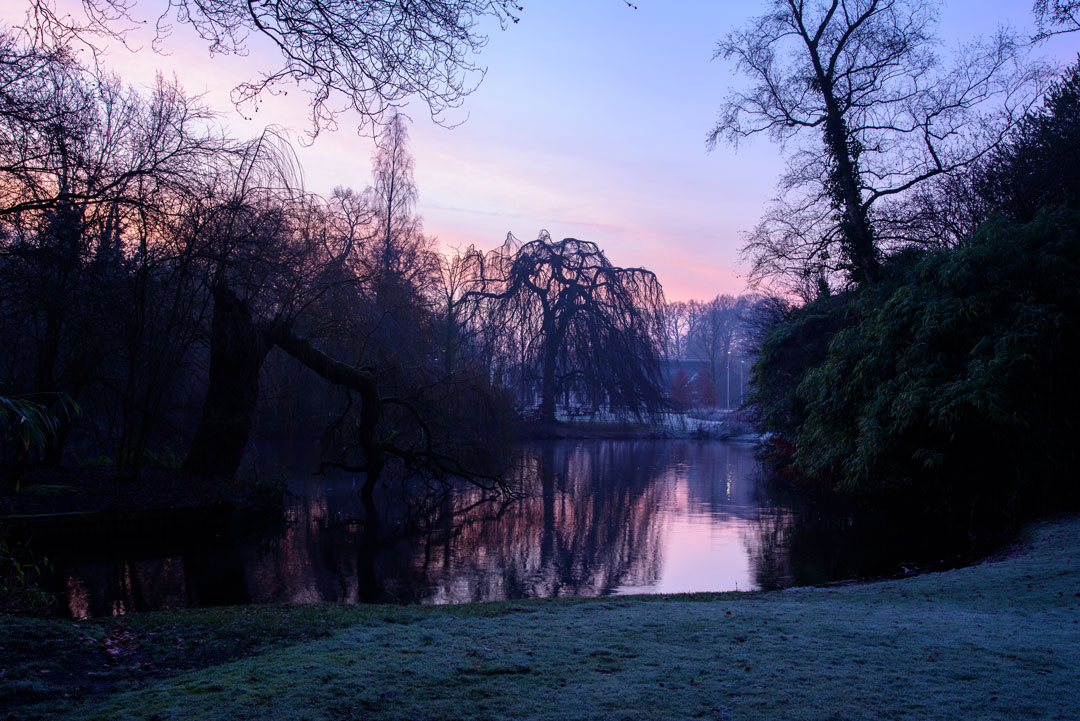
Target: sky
590	123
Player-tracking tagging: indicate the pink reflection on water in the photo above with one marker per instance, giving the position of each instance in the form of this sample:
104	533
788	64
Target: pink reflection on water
597	518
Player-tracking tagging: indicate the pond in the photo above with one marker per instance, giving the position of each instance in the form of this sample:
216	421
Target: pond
595	518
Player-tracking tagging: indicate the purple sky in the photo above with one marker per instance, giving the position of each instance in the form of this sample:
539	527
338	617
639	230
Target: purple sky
590	123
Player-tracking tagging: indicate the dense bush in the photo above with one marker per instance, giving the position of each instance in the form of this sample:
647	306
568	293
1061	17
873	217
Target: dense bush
1040	165
951	385
798	341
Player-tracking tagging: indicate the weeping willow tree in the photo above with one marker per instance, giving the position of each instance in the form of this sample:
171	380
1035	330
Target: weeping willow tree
586	325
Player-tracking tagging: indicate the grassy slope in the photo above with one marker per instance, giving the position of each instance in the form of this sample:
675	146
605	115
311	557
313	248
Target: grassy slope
997	641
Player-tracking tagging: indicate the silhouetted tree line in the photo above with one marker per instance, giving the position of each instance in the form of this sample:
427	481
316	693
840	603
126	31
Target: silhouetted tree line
164	277
150	264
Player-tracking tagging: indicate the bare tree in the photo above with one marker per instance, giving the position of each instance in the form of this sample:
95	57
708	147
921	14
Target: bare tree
131	229
91	174
1037	166
258	276
155	280
714	334
588	325
676	318
368	56
392	198
70	137
278	261
400	265
470	326
865	74
1056	17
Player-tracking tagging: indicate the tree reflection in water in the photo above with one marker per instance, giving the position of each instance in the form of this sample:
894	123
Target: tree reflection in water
595	518
588	522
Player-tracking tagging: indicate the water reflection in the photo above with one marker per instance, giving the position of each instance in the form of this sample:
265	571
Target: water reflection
596	518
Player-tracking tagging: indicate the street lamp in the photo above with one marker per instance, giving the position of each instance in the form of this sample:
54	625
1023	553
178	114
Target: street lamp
727	397
742	388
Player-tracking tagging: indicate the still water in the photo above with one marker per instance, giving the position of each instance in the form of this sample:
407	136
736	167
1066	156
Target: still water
594	518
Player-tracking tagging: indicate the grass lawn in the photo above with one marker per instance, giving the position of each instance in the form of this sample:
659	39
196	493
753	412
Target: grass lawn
1000	640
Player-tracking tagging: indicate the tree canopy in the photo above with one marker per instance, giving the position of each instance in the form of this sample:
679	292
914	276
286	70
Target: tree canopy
150	266
1056	17
862	81
958	383
1040	163
368	56
589	326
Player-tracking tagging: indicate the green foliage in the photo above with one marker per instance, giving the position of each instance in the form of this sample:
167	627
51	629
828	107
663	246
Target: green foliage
955	379
798	342
26	423
1040	165
950	385
21	572
26	426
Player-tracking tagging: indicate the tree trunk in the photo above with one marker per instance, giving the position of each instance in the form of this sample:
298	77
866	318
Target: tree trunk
361	380
369	588
451	339
857	238
237	352
547	381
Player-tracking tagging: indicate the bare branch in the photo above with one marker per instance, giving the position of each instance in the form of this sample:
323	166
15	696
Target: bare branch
867	74
366	56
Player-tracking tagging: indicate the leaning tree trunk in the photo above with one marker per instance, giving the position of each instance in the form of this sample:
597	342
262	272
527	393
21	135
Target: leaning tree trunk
361	380
237	352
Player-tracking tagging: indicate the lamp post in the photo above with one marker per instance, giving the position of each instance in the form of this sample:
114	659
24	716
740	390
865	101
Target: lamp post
742	388
727	396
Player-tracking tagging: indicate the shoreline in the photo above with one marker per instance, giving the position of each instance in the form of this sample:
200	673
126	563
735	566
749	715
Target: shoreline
732	427
999	639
